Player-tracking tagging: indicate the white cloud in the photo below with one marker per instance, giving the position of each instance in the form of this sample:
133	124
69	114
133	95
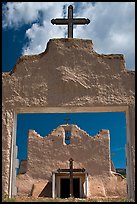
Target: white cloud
112	26
38	37
18	13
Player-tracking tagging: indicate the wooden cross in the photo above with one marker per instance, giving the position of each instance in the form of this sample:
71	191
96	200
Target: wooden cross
70	21
71	170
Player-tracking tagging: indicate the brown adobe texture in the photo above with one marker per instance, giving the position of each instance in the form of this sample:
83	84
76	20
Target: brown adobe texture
68	74
47	154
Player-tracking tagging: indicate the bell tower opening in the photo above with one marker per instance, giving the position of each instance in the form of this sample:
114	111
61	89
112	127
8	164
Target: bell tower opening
67	137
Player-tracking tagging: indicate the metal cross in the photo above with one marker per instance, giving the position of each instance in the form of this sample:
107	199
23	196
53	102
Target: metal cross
70	21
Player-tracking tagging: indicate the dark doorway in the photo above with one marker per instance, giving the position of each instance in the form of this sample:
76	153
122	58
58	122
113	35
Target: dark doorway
65	187
76	187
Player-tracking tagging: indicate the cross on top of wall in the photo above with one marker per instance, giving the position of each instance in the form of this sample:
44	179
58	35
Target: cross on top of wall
70	21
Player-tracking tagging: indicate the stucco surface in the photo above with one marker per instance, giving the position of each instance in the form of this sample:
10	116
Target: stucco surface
69	73
47	154
92	153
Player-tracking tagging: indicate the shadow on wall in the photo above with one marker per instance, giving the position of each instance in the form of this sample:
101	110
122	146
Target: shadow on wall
47	191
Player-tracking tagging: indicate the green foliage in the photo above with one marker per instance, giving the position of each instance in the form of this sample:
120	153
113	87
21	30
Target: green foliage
5	198
124	175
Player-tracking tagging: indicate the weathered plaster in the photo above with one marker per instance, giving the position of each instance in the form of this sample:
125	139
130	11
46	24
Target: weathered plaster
47	154
54	153
68	74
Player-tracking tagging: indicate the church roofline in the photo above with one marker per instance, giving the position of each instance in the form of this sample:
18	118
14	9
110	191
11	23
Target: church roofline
75	42
101	133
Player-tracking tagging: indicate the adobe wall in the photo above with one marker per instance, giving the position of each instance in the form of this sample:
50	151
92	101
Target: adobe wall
47	154
68	74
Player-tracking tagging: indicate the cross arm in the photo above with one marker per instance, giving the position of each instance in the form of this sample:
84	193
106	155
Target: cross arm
69	170
59	21
63	170
81	21
79	170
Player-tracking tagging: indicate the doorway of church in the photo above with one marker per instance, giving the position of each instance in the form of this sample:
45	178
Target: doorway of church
65	187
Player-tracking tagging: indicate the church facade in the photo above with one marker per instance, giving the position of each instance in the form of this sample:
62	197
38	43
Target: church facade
69	76
48	172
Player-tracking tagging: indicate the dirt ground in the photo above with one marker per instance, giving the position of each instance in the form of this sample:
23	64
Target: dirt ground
33	199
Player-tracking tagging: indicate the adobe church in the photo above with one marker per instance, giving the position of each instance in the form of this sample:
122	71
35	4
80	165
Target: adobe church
69	76
70	163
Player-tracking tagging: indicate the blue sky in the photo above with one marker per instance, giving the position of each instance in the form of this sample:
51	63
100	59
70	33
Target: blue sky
43	124
112	30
